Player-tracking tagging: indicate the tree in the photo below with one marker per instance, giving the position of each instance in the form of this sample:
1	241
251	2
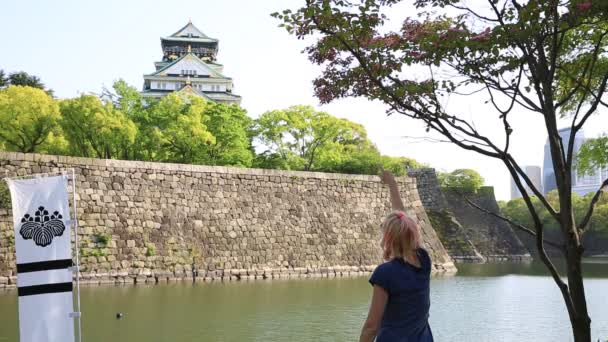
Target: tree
3	79
27	117
300	138
463	180
129	101
223	130
305	138
517	211
367	160
230	126
95	128
593	155
547	58
180	127
22	78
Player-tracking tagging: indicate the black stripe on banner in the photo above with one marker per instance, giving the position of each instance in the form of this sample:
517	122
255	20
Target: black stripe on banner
44	265
44	289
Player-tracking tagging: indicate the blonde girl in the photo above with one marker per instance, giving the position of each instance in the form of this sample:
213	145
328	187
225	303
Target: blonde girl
400	304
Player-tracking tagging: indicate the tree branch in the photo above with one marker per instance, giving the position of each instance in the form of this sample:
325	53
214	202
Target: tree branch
479	16
594	201
511	222
531	186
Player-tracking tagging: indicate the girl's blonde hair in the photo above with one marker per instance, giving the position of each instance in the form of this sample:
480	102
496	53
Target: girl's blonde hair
401	236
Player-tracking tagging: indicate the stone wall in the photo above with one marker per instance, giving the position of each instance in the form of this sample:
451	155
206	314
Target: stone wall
450	231
428	188
492	237
150	222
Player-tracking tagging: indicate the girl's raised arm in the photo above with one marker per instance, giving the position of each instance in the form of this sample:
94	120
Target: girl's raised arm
388	179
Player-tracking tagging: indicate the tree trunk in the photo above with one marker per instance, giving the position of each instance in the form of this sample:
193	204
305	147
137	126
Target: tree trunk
581	323
578	314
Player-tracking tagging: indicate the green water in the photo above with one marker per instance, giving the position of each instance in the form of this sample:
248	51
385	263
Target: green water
494	302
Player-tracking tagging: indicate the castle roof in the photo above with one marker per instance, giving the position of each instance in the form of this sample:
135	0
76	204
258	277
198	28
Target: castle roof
190	33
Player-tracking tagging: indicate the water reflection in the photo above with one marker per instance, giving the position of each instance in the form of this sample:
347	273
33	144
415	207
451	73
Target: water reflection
592	268
497	302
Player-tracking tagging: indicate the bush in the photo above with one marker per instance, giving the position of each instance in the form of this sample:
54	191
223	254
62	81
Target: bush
150	250
5	196
102	240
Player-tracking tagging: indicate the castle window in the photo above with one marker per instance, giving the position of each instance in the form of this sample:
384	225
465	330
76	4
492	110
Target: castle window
185	72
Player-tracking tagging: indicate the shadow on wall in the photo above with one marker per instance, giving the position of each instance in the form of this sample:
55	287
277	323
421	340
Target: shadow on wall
468	234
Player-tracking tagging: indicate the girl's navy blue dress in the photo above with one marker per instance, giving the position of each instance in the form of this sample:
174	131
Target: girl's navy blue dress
406	314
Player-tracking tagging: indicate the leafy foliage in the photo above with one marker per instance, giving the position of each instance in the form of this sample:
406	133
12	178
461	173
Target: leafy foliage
94	128
305	138
102	240
300	138
150	249
181	129
5	196
28	116
120	124
22	78
464	180
3	79
593	155
185	129
230	126
517	211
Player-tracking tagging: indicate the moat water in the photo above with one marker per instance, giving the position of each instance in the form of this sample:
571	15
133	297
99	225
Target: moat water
492	302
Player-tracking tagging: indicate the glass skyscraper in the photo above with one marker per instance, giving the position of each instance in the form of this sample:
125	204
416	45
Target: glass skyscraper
580	184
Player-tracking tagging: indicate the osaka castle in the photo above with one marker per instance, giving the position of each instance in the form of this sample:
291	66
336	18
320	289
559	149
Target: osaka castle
189	66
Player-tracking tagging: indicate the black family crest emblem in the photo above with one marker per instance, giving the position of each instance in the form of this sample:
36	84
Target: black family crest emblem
42	227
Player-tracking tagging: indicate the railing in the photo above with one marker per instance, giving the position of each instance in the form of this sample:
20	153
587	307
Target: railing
195	50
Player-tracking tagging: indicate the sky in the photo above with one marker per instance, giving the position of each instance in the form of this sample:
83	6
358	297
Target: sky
81	46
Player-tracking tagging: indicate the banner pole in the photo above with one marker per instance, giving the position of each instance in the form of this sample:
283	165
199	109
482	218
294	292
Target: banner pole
77	253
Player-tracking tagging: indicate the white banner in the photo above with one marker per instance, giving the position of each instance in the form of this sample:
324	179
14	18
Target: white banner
41	216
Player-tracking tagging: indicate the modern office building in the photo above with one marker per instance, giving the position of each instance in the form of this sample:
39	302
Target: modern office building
535	175
581	184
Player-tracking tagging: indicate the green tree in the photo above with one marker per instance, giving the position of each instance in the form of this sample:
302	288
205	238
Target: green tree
464	180
3	79
517	211
593	155
230	126
300	136
219	134
180	127
95	128
22	78
304	138
27	117
128	100
546	58
369	161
